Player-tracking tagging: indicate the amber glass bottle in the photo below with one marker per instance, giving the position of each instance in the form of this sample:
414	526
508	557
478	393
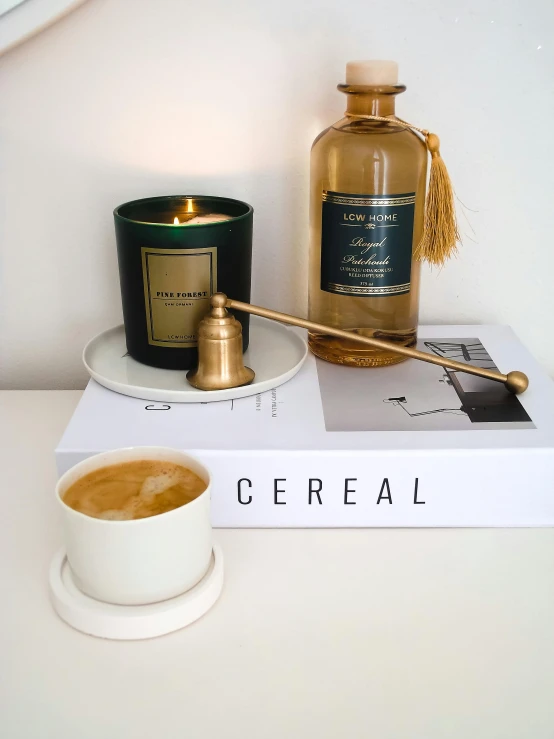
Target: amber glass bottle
366	217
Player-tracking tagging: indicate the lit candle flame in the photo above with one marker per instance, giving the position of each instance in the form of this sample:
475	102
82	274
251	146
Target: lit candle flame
175	221
189	206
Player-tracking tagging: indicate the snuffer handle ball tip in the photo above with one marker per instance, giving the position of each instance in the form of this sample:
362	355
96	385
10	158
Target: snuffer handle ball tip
517	382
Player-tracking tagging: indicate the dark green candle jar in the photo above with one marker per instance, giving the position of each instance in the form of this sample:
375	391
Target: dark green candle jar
174	252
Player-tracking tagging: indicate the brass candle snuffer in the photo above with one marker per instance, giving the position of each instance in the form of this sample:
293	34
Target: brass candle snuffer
220	358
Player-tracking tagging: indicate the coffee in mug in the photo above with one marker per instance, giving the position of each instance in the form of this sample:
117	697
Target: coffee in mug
133	490
136	524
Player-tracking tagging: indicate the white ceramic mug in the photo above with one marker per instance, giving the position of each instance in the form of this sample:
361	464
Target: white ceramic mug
144	560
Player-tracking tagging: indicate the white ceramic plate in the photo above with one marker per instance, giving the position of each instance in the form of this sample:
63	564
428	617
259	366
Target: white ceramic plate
132	622
276	353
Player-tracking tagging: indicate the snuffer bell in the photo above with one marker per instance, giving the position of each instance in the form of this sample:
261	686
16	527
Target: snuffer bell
220	362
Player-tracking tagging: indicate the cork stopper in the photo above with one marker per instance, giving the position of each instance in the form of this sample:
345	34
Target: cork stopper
372	72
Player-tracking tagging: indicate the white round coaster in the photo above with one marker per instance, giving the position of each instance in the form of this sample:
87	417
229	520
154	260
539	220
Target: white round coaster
132	622
276	353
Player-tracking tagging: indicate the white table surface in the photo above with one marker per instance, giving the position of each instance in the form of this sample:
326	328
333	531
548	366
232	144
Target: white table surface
376	634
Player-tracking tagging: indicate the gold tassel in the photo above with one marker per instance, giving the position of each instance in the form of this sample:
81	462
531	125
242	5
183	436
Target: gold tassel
440	229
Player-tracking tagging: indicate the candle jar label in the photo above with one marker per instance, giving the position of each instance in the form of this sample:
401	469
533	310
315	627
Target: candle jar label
366	244
178	284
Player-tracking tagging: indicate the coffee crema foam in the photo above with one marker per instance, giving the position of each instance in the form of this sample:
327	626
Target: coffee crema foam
133	490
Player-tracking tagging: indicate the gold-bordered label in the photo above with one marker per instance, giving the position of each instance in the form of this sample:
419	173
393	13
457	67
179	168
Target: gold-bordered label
366	244
178	284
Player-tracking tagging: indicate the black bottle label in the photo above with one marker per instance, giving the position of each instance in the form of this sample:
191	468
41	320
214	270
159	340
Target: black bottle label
366	244
178	284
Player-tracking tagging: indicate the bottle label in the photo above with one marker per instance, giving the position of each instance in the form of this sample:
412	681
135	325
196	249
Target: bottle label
366	243
178	284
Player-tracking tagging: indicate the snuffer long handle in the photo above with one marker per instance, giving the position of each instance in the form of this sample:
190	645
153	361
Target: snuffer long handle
516	382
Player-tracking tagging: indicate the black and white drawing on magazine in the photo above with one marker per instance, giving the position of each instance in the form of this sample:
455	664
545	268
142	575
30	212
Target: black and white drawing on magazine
416	396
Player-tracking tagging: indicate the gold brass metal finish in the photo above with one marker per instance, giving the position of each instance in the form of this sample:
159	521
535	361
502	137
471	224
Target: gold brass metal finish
516	382
217	372
220	362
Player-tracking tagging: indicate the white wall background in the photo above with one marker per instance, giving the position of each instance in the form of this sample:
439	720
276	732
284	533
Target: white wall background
129	98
